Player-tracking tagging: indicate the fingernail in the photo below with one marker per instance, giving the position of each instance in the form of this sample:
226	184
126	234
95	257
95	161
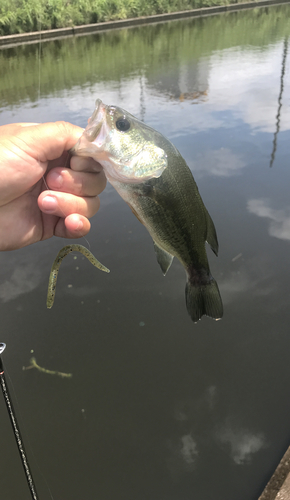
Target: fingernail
49	204
56	180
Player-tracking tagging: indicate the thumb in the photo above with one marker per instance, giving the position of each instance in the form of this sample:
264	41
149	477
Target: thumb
48	141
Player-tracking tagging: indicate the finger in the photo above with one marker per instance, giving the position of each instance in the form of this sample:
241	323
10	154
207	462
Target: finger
73	226
77	183
64	204
62	161
13	128
24	124
48	141
79	163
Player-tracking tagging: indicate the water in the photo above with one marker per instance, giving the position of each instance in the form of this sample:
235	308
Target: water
158	408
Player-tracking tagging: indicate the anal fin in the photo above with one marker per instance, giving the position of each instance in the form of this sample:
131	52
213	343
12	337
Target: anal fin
164	258
211	236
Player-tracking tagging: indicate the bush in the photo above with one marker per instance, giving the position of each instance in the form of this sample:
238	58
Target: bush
22	16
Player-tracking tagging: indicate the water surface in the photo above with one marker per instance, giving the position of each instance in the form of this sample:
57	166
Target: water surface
158	408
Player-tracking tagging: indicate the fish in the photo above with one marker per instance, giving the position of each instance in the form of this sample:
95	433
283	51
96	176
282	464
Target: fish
153	178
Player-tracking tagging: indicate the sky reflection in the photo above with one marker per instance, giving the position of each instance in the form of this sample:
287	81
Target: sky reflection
279	225
242	443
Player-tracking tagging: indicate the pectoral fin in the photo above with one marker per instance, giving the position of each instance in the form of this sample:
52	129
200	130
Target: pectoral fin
135	213
164	258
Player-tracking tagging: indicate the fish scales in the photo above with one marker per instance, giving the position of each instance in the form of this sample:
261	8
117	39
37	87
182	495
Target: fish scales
153	178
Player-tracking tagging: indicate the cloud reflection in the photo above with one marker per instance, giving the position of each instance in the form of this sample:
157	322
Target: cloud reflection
222	162
23	279
182	456
279	225
188	450
242	442
253	274
198	422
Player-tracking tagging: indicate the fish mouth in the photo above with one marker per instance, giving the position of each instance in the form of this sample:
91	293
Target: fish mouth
93	129
96	121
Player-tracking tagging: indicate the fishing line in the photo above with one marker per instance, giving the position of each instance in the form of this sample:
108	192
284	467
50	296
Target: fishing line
15	427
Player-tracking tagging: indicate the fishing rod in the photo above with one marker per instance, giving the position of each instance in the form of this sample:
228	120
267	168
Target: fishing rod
15	427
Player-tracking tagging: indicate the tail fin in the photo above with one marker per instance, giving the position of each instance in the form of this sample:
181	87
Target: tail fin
203	299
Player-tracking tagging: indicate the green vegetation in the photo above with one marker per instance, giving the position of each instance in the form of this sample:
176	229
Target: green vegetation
23	16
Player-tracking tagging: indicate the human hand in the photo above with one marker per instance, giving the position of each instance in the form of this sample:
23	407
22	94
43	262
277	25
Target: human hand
29	212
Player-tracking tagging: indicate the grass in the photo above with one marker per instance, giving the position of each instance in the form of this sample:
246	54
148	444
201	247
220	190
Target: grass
23	16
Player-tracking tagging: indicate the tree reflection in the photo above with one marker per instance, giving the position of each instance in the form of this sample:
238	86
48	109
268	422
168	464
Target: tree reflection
285	50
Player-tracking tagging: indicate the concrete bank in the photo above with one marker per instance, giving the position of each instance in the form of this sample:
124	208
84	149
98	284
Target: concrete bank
278	488
36	36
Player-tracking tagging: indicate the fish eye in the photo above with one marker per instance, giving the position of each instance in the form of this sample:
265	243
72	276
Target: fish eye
123	124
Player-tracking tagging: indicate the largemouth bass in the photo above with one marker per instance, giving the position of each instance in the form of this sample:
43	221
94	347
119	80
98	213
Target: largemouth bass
153	178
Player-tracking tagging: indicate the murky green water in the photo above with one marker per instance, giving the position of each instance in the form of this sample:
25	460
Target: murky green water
159	408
